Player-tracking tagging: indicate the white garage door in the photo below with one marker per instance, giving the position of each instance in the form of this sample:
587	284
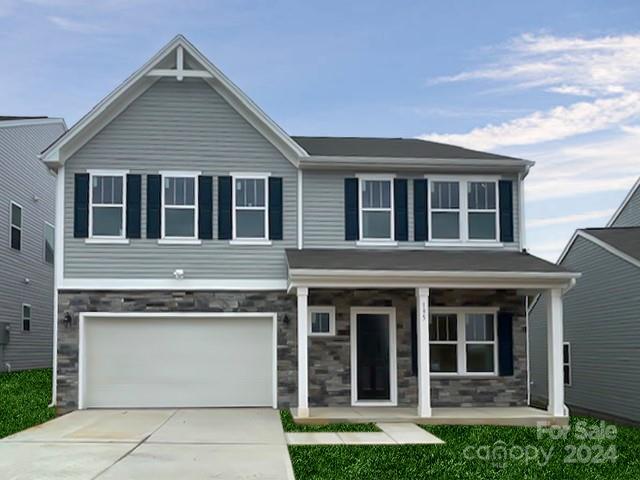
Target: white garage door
182	361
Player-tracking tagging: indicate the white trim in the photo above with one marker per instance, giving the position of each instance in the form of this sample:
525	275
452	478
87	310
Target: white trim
55	155
83	316
376	176
331	310
300	207
445	165
361	209
122	174
463	211
433	273
32	121
58	272
377	243
461	341
264	176
107	241
44	243
424	353
179	74
302	302
554	353
567	364
393	368
22	317
522	224
12	226
107	172
624	203
88	284
164	175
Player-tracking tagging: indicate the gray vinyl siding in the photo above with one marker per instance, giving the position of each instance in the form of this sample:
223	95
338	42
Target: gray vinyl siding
602	323
180	126
323	209
630	214
26	181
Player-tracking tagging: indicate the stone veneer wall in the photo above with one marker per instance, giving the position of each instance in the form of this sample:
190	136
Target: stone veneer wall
329	357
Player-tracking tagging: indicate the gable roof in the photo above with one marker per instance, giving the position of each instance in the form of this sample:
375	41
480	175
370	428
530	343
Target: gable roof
623	239
189	62
624	203
389	147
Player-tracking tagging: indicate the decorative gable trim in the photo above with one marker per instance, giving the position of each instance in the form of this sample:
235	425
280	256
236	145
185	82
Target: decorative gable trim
113	104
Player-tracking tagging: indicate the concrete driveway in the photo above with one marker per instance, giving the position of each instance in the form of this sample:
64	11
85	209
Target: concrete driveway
155	444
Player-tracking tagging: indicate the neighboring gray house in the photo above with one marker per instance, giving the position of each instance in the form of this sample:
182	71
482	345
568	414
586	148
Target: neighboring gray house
207	258
27	216
602	320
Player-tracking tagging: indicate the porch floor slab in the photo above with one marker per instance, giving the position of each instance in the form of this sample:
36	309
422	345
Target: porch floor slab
515	416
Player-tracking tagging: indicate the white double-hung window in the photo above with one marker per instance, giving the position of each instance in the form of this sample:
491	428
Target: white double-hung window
179	205
107	204
463	210
376	209
250	206
462	341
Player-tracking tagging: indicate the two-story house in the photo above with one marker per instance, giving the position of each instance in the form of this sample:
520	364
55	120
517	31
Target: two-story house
27	199
207	258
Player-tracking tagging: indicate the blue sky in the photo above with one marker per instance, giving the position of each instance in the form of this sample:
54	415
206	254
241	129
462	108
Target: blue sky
555	82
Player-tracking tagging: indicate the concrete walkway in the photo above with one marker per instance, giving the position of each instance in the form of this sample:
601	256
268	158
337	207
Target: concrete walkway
154	444
391	434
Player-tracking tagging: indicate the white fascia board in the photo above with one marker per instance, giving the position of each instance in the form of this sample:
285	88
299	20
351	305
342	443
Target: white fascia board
55	155
416	163
624	203
170	284
33	121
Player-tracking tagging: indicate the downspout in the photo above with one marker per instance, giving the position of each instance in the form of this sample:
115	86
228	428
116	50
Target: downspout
300	232
526	317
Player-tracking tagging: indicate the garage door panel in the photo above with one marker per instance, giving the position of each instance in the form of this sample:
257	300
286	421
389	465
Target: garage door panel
178	362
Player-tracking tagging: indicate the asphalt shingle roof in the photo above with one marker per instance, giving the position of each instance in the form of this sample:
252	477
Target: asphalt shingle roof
420	260
625	239
389	147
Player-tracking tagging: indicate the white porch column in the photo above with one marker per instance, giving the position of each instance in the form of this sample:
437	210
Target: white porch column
303	353
554	352
424	380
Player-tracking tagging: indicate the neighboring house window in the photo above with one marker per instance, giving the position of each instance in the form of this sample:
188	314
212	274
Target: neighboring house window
483	215
322	321
566	362
445	210
107	212
463	210
49	242
250	208
463	342
26	317
179	207
376	209
16	226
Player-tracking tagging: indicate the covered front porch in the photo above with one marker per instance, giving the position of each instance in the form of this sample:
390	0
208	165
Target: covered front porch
466	376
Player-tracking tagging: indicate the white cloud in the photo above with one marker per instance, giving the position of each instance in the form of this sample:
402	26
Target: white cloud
576	217
73	25
606	69
569	187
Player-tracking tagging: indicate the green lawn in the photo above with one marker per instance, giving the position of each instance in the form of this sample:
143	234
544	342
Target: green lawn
482	452
24	397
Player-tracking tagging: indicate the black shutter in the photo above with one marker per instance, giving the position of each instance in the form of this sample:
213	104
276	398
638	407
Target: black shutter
275	208
154	204
205	207
81	206
505	188
134	205
414	342
224	208
351	227
505	344
420	218
400	206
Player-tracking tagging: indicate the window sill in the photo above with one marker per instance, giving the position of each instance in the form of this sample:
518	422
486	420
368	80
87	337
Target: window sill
322	335
466	244
242	241
105	241
377	243
466	376
179	241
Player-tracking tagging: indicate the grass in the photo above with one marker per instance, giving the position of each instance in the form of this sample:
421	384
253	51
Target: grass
290	426
513	452
24	397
